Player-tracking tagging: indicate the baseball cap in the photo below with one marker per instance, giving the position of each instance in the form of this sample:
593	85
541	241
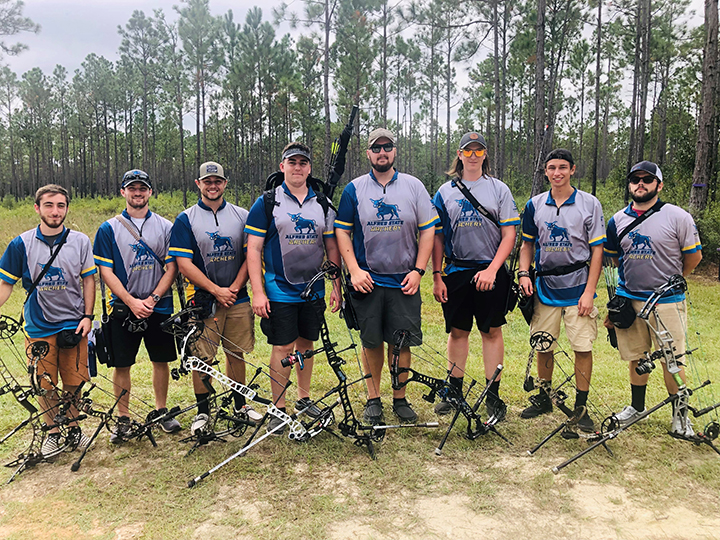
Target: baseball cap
296	152
135	175
648	167
471	137
210	168
379	133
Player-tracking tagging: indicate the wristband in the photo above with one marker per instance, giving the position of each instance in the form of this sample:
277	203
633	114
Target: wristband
418	270
437	271
523	273
91	317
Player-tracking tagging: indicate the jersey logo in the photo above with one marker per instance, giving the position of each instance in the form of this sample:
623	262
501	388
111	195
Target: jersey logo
384	209
142	253
220	243
557	233
639	240
466	206
53	272
302	223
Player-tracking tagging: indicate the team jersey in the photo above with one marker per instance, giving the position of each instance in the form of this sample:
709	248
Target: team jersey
384	222
563	236
653	251
132	263
469	236
214	240
293	249
57	302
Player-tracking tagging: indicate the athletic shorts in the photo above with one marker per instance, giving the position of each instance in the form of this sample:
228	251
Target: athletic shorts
125	344
233	326
71	364
581	331
289	321
633	342
384	311
465	302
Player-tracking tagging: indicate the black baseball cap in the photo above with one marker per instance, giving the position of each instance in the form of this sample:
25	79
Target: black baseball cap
135	175
648	167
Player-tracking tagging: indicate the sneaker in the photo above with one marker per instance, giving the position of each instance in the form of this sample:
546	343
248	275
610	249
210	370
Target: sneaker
373	413
676	429
272	426
251	413
403	411
306	404
540	404
496	410
443	408
585	423
51	445
120	431
627	415
77	439
199	424
169	425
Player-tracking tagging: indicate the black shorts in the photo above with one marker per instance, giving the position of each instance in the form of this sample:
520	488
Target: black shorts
384	311
289	321
465	302
125	344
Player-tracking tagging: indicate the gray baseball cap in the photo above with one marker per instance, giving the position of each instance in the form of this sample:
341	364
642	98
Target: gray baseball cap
296	152
471	137
648	167
210	168
379	133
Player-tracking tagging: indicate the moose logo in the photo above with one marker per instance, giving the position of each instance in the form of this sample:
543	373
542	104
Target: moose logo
384	209
220	243
302	223
466	207
53	272
557	233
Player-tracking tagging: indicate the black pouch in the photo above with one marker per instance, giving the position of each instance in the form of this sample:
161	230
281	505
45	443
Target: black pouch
513	294
205	301
526	304
68	339
621	312
120	311
103	347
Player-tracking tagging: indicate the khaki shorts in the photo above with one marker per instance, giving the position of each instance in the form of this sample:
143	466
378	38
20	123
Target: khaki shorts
234	326
70	363
581	331
633	342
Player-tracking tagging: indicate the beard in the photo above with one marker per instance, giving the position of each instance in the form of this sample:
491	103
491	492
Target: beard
648	195
54	224
385	167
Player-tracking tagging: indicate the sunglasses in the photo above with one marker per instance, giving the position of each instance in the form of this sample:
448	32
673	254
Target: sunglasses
647	180
478	153
135	175
375	148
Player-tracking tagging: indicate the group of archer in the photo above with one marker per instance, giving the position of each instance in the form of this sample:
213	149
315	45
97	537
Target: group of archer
386	229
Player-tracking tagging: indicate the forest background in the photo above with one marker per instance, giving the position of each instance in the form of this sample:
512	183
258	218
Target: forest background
188	86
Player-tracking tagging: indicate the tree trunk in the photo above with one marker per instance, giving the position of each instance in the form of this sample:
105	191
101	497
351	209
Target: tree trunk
597	98
538	170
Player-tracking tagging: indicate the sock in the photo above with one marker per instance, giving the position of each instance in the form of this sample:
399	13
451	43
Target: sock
545	386
283	409
396	400
203	405
493	394
239	400
457	383
581	398
638	397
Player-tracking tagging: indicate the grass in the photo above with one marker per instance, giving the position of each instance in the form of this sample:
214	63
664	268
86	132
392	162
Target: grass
330	488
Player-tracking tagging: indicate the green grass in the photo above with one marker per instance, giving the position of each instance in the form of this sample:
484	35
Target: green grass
329	488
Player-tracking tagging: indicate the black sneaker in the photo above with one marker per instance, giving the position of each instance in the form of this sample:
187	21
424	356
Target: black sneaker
403	411
120	432
585	423
443	408
496	410
540	404
306	406
373	413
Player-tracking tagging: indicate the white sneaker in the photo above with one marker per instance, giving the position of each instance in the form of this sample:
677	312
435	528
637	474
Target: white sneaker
251	413
199	424
677	429
627	415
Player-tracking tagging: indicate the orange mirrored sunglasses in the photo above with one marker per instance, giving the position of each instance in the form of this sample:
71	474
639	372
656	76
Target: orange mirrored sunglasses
478	153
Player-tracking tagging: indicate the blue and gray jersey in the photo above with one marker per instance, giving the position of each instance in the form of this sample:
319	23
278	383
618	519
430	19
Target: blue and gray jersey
132	263
653	251
214	240
563	236
384	222
57	303
293	249
469	236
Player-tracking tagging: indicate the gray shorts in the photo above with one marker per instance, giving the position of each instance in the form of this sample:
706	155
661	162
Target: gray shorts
384	311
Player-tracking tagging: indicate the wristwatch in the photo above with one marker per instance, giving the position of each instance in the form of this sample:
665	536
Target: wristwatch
91	317
418	270
155	298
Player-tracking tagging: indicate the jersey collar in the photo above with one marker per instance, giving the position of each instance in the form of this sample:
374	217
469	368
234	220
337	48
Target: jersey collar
125	214
372	175
310	193
571	200
40	236
630	212
206	207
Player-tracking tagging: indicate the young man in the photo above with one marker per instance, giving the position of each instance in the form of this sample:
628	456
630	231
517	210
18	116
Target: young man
59	309
132	252
565	230
392	222
292	242
664	244
208	242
